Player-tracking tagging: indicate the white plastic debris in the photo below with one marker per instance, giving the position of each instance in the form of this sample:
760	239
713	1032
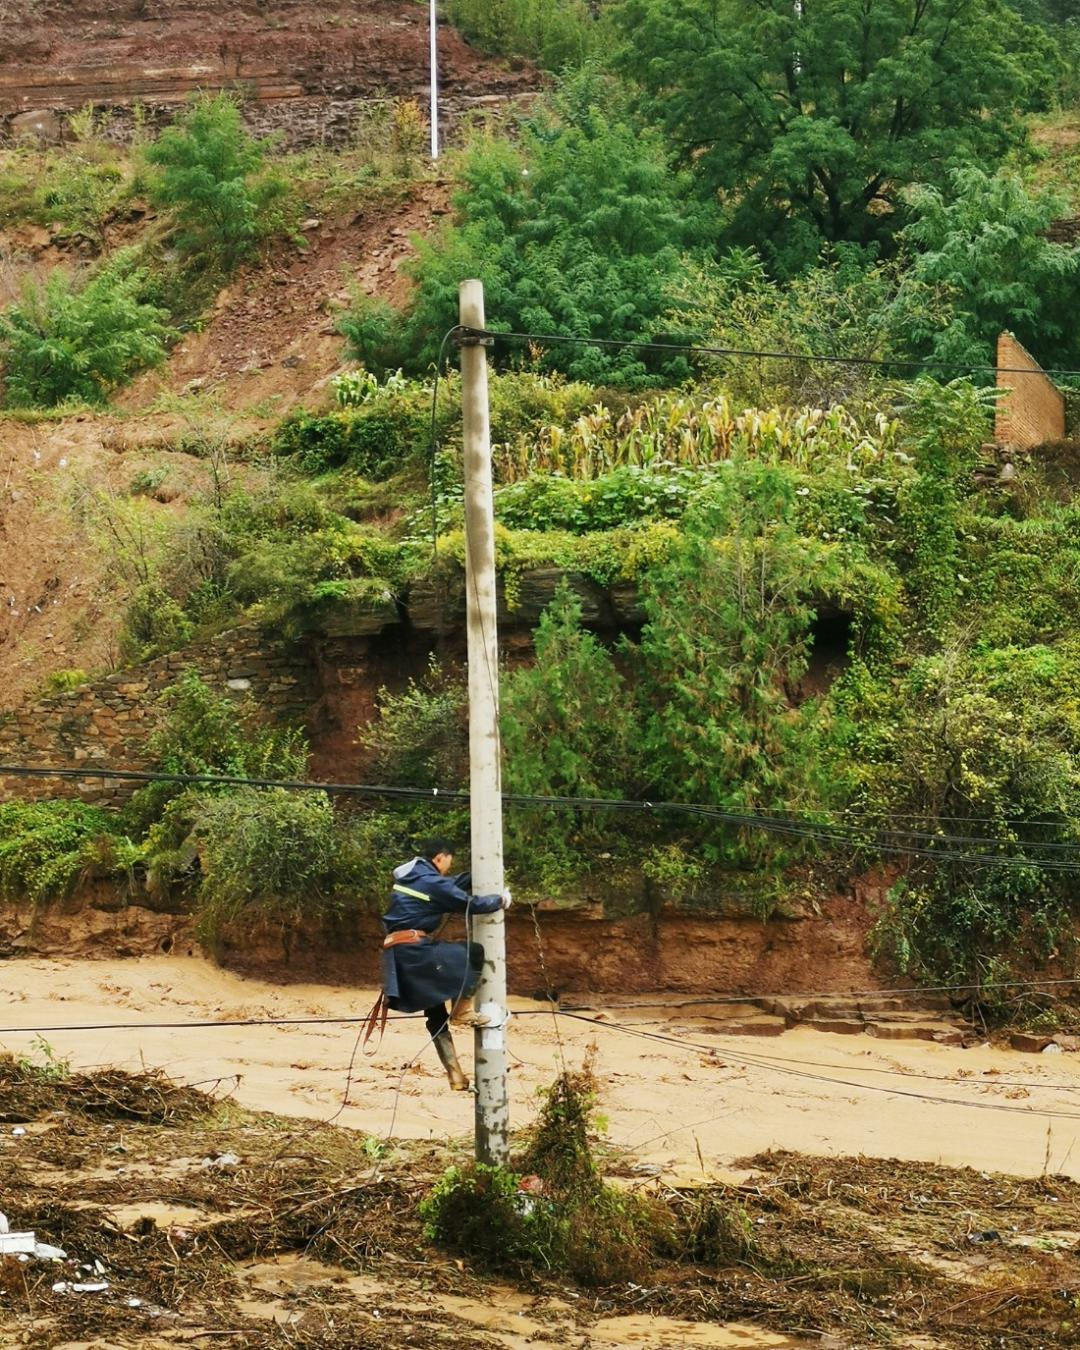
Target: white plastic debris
12	1244
86	1287
5	1227
223	1162
19	1131
43	1251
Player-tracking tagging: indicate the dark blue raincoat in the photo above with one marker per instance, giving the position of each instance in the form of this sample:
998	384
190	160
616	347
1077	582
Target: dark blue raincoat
420	975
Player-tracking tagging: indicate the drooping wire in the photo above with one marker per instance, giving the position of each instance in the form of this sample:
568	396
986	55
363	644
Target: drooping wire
949	847
440	361
697	349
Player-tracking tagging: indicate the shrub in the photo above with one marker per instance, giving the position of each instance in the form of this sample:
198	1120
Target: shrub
980	744
725	642
374	332
153	623
626	495
63	342
374	438
419	737
984	236
574	1223
62	681
46	847
556	33
576	231
205	732
268	854
568	722
844	303
211	173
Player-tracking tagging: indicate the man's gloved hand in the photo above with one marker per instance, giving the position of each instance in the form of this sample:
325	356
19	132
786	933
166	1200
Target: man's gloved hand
507	899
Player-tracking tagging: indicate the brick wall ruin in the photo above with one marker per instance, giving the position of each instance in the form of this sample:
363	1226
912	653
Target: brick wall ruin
1032	411
108	721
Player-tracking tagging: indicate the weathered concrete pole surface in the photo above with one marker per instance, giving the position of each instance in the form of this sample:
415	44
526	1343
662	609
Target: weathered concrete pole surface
485	775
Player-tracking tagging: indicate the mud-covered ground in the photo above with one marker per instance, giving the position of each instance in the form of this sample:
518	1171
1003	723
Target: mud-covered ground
309	1237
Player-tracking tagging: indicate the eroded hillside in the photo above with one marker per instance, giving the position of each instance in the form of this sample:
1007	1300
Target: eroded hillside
301	66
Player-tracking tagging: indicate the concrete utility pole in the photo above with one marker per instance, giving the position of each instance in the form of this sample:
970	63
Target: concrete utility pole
433	38
485	773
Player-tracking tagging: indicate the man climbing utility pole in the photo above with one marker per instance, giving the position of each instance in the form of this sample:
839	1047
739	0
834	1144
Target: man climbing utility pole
485	777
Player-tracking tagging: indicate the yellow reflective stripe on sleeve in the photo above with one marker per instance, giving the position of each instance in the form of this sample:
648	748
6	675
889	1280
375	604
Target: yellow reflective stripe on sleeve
408	890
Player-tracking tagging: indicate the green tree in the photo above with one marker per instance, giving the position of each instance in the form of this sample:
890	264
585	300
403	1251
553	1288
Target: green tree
982	236
843	304
66	341
556	33
211	173
568	722
946	425
809	119
575	230
725	643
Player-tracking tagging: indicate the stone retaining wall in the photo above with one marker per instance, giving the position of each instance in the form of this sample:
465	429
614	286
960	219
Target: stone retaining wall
108	721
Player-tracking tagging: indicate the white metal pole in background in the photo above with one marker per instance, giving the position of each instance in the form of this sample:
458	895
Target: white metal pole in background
485	772
434	42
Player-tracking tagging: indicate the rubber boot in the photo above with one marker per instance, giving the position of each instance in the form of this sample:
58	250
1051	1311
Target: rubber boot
444	1046
462	1015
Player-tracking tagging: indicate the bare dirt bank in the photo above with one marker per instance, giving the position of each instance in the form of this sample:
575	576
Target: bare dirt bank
566	950
691	1104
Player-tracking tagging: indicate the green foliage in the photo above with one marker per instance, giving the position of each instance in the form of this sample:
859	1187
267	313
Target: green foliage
843	304
477	1210
618	498
983	235
46	847
211	174
811	121
66	342
573	1222
978	744
419	737
205	732
554	33
153	623
208	732
726	641
568	724
79	190
577	229
51	1069
558	1149
947	425
62	681
374	437
374	332
268	855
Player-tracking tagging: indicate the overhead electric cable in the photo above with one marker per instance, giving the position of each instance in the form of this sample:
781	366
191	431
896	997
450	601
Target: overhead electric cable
698	349
949	849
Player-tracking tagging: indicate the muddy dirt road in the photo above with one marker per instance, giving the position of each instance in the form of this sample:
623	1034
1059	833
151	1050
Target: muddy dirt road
695	1100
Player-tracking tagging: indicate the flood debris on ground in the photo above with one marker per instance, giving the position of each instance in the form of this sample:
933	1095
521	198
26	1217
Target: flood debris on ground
314	1238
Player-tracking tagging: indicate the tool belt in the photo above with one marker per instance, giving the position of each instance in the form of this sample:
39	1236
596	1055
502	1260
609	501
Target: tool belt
404	936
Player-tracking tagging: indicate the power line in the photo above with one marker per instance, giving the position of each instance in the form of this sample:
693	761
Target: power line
696	349
932	1098
948	851
775	1063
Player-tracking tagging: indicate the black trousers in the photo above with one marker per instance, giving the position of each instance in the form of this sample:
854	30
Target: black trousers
438	1015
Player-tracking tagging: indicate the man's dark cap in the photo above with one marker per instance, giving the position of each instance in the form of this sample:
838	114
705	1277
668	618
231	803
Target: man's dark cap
431	848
